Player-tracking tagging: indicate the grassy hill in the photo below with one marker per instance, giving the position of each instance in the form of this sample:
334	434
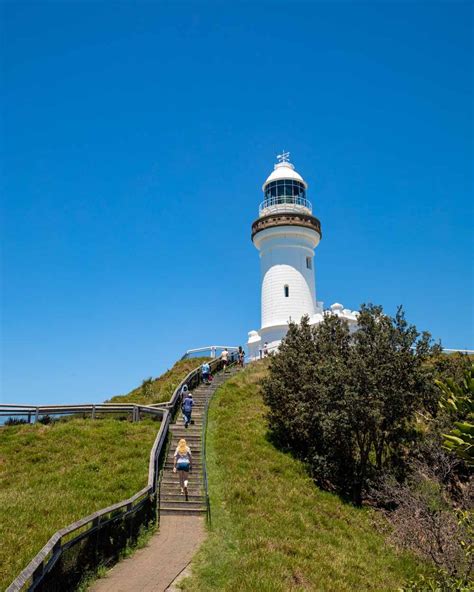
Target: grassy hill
272	528
52	475
159	389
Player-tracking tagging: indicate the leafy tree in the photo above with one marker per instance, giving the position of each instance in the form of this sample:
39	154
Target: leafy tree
345	403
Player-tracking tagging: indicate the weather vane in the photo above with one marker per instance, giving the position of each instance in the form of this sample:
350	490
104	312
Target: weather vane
283	157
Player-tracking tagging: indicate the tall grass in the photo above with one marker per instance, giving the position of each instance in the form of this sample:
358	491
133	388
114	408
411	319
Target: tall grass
273	529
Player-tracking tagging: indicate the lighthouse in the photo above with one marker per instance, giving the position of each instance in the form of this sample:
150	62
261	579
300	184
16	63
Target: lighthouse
286	234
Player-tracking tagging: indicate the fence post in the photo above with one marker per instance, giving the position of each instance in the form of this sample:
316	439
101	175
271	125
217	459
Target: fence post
96	525
57	546
130	524
93	412
38	573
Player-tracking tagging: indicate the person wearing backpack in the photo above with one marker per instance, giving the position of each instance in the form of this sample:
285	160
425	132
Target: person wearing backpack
183	463
187	409
184	393
205	371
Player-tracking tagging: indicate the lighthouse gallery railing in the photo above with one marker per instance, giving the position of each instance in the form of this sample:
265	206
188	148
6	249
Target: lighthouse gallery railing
287	202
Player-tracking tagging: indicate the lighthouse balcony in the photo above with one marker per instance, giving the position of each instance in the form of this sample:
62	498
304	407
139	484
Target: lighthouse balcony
285	203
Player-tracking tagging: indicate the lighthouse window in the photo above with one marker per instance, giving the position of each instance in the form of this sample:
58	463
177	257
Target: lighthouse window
287	291
286	188
308	262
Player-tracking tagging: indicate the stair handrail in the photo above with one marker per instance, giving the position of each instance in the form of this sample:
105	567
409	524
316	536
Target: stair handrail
233	361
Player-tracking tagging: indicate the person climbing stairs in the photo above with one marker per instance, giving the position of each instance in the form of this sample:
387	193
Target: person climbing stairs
171	499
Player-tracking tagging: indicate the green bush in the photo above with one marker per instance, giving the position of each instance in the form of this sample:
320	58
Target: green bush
458	401
345	403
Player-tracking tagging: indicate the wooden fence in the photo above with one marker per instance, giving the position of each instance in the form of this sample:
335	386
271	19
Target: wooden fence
35	413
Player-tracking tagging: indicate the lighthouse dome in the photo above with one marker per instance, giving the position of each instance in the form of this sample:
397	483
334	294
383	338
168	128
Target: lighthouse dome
284	171
284	190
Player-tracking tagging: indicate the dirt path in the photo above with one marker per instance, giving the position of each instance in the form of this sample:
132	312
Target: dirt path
154	568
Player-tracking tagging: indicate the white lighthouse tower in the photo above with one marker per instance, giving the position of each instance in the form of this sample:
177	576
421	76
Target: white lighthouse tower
286	234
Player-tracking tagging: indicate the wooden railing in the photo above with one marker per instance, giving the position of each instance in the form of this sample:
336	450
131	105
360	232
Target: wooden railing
34	413
99	538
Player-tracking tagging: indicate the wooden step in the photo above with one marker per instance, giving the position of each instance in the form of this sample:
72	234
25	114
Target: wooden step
195	486
170	485
193	435
181	501
178	497
166	511
197	465
171	479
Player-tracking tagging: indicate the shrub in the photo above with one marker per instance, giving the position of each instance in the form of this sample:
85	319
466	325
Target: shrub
346	403
452	577
13	421
458	401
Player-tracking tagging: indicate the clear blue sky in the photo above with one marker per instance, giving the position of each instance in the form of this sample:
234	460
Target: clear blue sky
135	140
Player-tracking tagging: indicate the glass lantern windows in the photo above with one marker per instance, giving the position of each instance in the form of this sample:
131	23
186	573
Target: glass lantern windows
285	191
285	188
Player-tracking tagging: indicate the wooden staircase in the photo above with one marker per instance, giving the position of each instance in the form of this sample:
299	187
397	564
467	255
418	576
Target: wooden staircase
171	500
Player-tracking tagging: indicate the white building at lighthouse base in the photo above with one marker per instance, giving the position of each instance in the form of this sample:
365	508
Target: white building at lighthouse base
269	338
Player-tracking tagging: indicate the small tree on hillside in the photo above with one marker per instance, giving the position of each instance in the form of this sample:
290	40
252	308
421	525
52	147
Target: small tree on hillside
345	404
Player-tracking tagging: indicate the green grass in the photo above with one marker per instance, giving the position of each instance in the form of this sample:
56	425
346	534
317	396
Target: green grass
160	389
52	475
272	528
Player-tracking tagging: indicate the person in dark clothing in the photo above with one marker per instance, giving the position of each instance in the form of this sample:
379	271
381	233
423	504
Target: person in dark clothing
187	409
184	393
241	356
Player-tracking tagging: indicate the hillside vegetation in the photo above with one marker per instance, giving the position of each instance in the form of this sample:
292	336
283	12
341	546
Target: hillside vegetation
158	390
52	475
272	528
380	417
